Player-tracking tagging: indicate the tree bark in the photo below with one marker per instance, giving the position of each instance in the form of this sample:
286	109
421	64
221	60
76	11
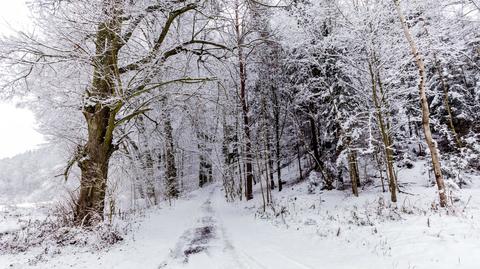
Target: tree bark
425	108
244	105
100	119
354	173
230	156
299	160
386	137
278	153
314	143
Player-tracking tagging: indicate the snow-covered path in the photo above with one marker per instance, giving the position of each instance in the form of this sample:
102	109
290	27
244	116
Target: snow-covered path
235	239
205	244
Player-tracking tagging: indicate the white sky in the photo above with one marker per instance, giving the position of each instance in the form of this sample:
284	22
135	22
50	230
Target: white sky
17	126
13	13
17	130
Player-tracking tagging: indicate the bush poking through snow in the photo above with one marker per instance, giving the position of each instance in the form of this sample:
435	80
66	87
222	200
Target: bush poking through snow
50	235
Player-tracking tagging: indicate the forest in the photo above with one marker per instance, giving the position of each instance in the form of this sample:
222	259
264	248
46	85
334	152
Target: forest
244	134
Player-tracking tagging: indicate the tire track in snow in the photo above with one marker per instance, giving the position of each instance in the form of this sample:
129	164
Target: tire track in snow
209	240
207	237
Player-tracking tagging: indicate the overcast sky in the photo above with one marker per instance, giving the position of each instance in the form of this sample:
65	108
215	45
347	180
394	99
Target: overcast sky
17	126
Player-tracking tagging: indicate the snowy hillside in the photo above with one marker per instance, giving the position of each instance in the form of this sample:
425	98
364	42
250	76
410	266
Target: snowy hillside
31	176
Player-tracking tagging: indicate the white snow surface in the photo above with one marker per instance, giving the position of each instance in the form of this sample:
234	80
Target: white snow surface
330	230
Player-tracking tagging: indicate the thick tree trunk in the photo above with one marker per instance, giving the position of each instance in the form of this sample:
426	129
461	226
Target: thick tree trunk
425	108
93	185
100	119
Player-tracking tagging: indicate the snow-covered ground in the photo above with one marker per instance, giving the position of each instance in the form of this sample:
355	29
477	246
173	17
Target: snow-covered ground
302	230
17	217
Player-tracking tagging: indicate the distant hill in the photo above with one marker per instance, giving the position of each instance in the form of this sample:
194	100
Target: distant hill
30	176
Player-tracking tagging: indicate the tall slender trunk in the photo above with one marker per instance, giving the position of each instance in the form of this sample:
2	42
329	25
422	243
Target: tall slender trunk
240	181
243	101
268	148
379	165
385	134
389	136
266	153
269	158
276	120
246	128
257	158
278	159
353	169
229	159
314	143
425	108
171	182
267	178
299	159
446	102
147	162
